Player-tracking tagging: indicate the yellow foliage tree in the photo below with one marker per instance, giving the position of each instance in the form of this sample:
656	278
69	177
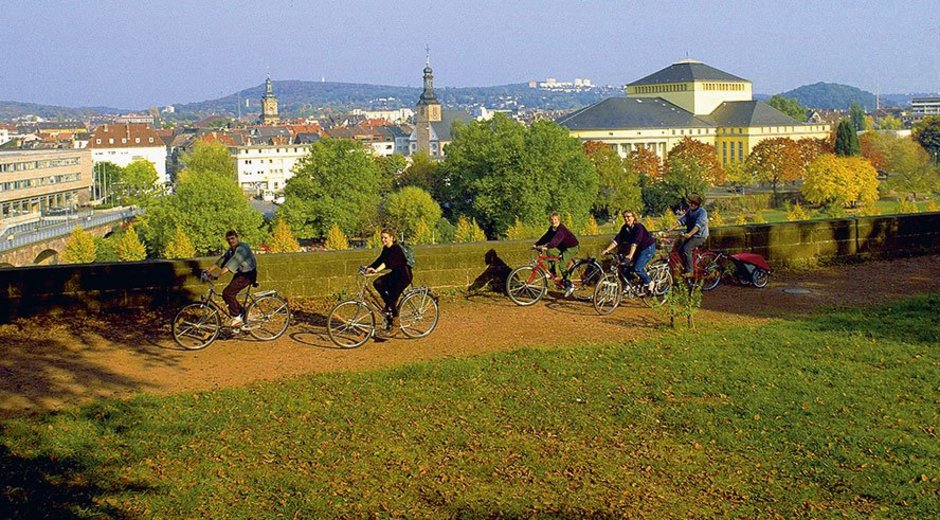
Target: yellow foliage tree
130	248
518	231
838	181
741	219
906	206
591	228
758	218
179	246
375	240
795	213
423	233
715	219
79	247
282	239
336	239
468	231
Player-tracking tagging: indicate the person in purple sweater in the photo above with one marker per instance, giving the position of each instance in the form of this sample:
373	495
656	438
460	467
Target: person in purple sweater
391	285
635	243
559	241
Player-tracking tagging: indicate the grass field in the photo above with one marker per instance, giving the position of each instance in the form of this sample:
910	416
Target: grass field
830	416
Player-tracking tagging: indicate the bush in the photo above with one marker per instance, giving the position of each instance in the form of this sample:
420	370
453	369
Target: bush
795	212
907	206
715	219
336	239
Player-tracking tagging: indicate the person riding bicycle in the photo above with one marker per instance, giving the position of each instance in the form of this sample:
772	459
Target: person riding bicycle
635	239
391	285
559	241
240	261
695	222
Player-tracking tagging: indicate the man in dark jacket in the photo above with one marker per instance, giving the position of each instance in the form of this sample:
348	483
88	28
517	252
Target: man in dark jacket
559	241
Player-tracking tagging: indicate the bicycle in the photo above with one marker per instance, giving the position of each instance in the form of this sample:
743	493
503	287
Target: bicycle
706	270
352	322
622	282
744	268
526	285
197	325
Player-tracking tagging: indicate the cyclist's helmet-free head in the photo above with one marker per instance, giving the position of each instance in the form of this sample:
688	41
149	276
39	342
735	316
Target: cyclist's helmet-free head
694	200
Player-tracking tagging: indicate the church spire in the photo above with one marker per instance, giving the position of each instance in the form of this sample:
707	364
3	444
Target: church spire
427	96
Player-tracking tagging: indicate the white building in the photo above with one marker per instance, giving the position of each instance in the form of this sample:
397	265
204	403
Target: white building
398	116
923	107
5	136
124	144
266	168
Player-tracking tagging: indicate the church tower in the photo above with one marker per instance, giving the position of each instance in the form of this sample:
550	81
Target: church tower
429	110
269	104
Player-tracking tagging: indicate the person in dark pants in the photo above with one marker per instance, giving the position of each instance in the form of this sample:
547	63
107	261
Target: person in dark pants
391	285
695	222
634	239
240	261
559	241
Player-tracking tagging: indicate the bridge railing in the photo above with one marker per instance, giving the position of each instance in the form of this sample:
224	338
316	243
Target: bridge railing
22	239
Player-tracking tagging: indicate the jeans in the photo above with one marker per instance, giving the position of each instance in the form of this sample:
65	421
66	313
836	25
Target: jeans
230	293
639	263
687	248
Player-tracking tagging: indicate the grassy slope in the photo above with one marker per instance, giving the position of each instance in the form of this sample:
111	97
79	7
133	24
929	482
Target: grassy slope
833	415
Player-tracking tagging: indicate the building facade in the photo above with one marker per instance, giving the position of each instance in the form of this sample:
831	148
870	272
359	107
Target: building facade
923	107
36	181
687	99
266	168
124	144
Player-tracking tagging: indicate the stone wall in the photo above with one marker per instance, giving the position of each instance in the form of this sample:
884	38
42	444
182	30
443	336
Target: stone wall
24	291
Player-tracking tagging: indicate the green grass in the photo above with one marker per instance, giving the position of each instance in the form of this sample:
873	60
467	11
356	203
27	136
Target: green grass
830	416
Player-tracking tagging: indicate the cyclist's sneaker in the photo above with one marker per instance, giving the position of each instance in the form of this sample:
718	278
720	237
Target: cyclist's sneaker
237	321
569	288
650	287
249	325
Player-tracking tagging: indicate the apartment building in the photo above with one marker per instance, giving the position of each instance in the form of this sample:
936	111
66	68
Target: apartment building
34	181
124	144
265	168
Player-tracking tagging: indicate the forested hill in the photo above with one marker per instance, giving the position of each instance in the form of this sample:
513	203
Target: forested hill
297	98
13	109
831	96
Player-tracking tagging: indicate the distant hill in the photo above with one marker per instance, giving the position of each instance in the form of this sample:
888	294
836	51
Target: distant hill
831	96
12	109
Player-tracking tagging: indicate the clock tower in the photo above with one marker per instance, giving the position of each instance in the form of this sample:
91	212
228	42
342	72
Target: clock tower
269	104
429	110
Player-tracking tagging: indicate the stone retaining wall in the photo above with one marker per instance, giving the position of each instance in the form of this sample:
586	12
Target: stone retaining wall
24	291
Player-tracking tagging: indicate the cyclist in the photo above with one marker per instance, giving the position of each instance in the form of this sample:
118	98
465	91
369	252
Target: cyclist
558	241
695	222
240	261
635	235
391	285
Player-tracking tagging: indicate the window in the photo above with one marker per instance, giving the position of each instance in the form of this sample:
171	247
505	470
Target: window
136	140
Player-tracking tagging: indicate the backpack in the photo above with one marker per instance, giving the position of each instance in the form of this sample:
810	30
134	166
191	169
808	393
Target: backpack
409	254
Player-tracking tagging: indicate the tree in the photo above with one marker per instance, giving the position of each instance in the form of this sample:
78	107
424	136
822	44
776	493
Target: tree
408	207
873	146
422	173
775	161
703	155
105	176
468	231
927	133
130	248
209	157
691	167
179	246
846	140
497	170
390	169
857	115
909	167
889	122
619	186
788	106
336	239
810	149
282	240
337	183
136	183
838	181
739	176
646	164
79	247
591	228
422	234
205	204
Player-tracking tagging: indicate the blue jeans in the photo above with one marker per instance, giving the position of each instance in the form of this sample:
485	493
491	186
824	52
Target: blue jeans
639	263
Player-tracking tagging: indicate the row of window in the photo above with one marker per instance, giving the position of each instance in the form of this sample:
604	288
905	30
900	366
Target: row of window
39	181
124	140
724	86
36	165
725	156
656	89
15	208
245	151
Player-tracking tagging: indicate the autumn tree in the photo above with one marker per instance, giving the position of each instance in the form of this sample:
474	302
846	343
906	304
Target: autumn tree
927	133
873	146
775	161
468	231
846	140
335	239
738	175
704	155
691	167
839	181
282	239
336	183
130	248
422	173
788	106
619	186
79	247
179	246
646	164
889	122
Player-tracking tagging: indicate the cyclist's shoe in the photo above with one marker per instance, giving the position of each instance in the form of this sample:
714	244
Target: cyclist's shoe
394	325
650	287
569	288
237	321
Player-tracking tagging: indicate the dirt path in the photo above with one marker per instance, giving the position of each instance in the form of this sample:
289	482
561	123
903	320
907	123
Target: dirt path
50	362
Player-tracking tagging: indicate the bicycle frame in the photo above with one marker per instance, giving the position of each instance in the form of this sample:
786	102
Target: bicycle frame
540	264
676	264
211	298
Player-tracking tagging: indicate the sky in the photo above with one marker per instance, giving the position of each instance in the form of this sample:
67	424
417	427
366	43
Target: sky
133	54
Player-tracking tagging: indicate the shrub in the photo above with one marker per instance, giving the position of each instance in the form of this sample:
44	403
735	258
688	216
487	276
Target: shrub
130	248
715	219
795	212
741	219
282	239
906	206
179	246
336	239
79	247
758	218
591	228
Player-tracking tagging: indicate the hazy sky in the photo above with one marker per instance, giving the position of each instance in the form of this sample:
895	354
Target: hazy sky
134	54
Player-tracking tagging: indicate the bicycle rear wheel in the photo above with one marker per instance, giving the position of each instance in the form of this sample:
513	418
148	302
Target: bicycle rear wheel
607	294
196	326
585	274
710	269
761	278
659	272
418	314
526	285
268	318
350	324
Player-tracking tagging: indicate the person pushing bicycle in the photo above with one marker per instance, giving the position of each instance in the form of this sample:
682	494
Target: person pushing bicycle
240	261
635	239
695	221
391	285
559	241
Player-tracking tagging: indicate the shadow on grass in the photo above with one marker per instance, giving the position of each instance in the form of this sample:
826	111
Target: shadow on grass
904	321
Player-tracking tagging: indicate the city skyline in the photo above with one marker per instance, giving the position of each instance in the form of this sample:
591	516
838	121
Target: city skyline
132	56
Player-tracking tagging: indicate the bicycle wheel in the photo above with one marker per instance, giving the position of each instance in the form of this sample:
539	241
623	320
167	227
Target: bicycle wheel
607	294
711	270
418	314
585	274
761	278
350	324
196	326
526	285
662	283
268	318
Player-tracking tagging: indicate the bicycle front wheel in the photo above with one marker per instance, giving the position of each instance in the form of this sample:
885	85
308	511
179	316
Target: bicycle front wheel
268	318
585	274
607	294
350	324
711	270
526	285
418	314
662	283
196	326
